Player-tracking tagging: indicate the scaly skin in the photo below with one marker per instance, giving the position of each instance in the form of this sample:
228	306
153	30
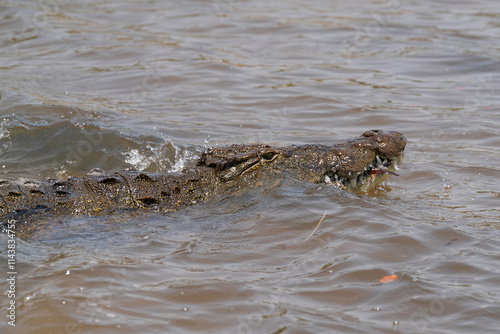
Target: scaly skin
355	165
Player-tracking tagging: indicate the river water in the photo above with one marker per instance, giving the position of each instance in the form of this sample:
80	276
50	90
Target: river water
113	84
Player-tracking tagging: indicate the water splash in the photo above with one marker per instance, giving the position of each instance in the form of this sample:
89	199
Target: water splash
4	128
138	160
181	159
182	156
166	157
4	133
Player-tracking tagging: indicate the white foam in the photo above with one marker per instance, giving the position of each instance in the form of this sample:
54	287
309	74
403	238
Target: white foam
138	160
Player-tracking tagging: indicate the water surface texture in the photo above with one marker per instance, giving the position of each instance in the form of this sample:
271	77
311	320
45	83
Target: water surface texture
148	84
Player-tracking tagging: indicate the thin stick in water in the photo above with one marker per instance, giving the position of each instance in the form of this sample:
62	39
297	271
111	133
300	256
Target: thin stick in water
320	221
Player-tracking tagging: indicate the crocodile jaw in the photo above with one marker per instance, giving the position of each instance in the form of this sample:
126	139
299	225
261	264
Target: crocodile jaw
373	174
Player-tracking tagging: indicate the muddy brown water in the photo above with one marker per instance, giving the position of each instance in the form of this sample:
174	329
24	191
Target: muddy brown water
149	84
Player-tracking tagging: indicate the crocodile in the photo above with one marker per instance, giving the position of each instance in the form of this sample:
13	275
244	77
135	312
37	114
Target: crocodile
356	165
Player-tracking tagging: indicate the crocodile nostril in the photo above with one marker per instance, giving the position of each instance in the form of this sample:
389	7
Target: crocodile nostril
371	133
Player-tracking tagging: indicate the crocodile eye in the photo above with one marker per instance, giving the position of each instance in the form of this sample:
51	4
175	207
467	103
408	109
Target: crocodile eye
268	156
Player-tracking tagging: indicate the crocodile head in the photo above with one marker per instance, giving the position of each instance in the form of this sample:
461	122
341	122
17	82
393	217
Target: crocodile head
365	162
355	165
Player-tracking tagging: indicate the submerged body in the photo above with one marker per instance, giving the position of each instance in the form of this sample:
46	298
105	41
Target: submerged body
356	165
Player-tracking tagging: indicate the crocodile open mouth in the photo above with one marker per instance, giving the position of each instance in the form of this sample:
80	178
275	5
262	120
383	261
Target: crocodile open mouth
372	175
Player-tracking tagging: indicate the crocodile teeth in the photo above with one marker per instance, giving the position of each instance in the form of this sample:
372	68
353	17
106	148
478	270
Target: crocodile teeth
396	164
369	174
353	182
397	161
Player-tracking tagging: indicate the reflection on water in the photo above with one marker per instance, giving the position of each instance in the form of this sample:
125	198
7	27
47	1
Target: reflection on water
149	84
